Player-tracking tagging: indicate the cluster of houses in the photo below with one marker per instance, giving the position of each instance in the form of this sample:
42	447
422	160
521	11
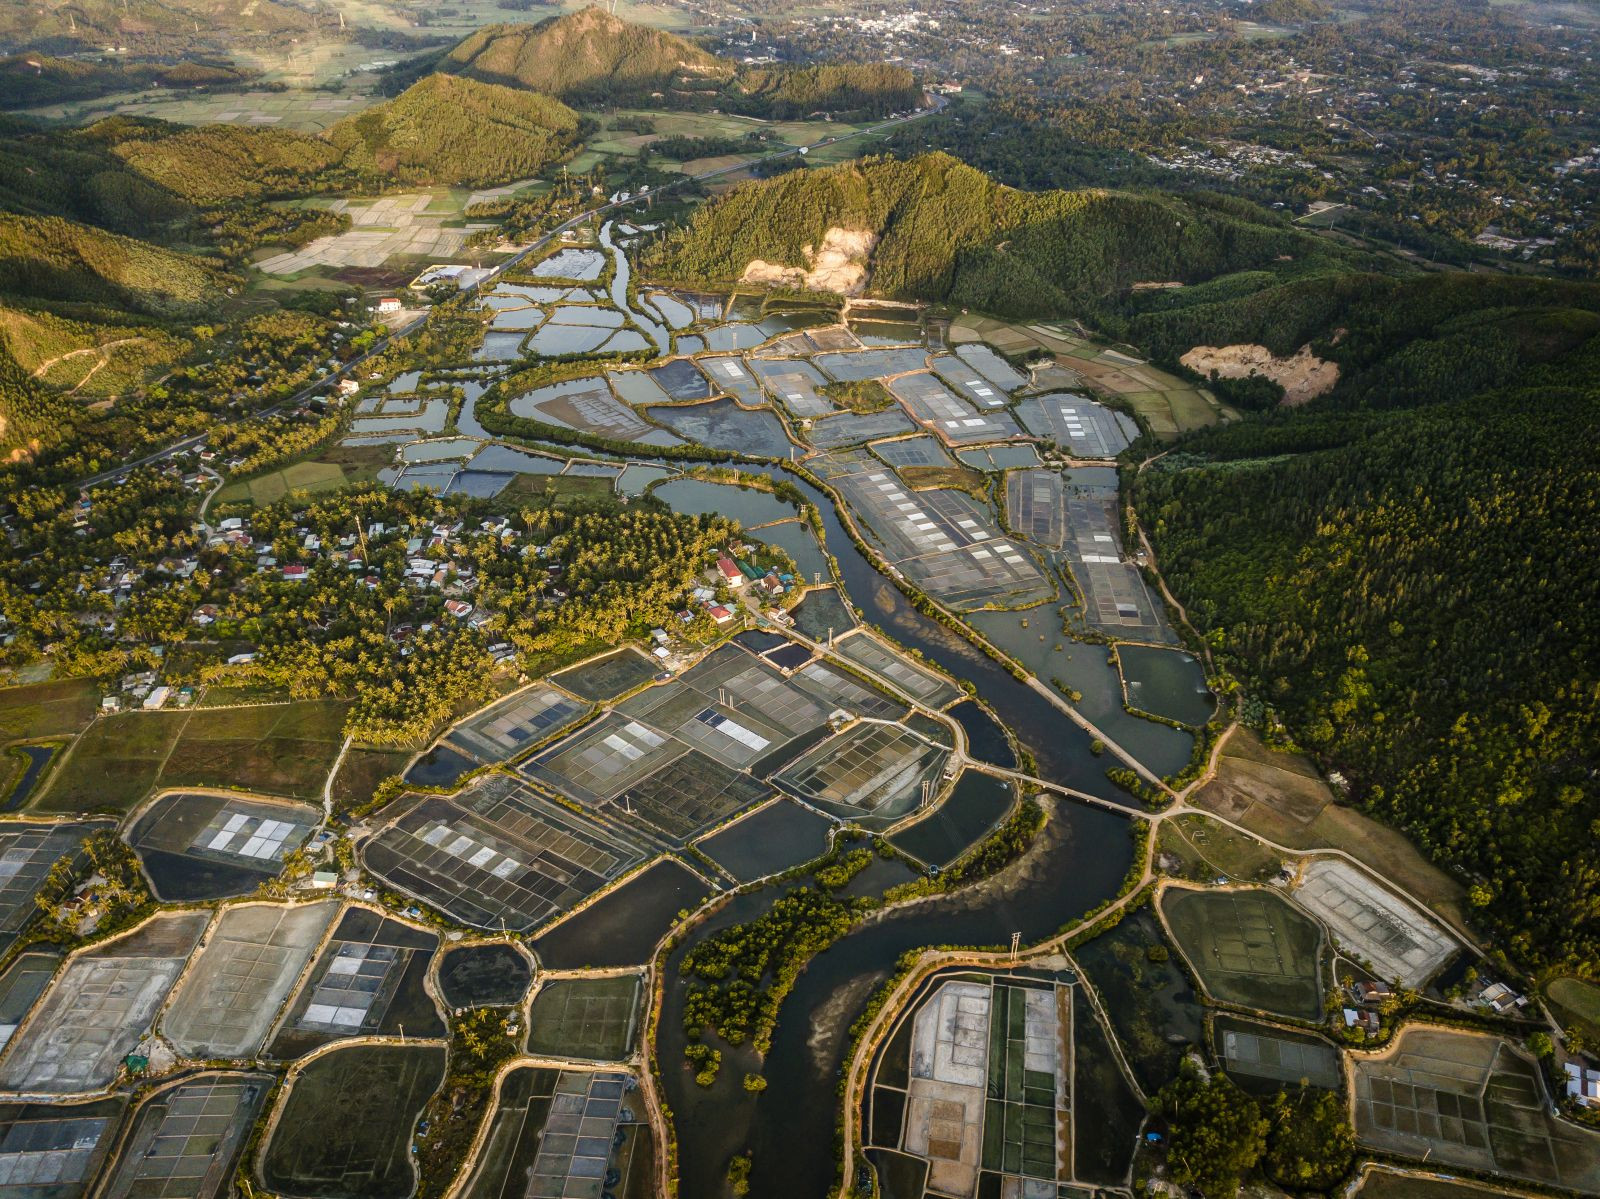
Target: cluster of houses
144	690
432	561
1583	1084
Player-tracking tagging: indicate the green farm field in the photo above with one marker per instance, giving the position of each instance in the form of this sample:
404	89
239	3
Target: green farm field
278	749
1250	948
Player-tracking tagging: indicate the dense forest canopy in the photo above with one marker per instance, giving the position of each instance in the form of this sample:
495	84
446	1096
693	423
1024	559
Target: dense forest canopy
1404	573
53	259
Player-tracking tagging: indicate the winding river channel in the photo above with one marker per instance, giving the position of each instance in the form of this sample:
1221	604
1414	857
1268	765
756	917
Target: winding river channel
1077	862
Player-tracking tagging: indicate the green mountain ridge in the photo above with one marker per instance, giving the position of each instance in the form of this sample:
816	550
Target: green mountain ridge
99	23
592	57
586	55
949	233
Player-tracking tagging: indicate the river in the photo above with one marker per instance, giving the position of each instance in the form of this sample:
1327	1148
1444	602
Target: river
1077	861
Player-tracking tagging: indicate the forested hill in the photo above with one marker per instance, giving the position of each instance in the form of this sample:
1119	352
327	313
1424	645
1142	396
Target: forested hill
592	57
30	414
450	130
46	258
947	232
215	164
147	24
1405	570
588	55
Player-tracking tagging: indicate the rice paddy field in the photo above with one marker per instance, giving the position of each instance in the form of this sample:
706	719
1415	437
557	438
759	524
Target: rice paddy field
56	1150
231	991
368	980
185	1140
345	1127
1470	1101
592	1018
1382	1182
534	1142
1265	1059
1249	948
212	847
99	1006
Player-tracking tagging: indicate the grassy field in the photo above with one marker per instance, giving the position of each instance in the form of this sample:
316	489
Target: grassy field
1463	1099
561	487
1281	797
1208	849
281	749
274	485
1576	1004
1250	948
1383	1184
360	773
47	709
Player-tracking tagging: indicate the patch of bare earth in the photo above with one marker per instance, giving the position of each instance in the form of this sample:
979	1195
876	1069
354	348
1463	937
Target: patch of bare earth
840	266
1303	376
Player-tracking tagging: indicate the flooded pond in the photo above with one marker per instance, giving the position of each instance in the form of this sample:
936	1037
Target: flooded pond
723	425
637	387
681	380
696	497
505	460
796	537
441	766
986	740
1035	638
769	841
517	318
976	805
441	450
583	265
35	759
623	927
1167	682
558	338
499	347
733	337
484	975
620	278
673	310
822	614
637	478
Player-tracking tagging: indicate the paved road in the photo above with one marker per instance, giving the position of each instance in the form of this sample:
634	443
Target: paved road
939	104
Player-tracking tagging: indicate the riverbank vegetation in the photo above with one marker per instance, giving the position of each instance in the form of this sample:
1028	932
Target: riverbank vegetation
742	974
